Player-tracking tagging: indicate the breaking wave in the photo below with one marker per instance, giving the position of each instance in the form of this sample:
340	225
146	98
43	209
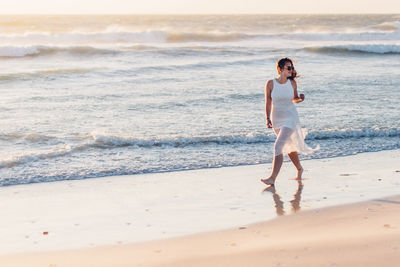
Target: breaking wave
36	50
367	48
100	141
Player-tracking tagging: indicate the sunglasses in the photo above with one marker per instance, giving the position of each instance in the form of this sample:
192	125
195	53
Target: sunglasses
290	68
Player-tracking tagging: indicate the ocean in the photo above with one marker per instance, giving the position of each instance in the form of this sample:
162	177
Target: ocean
95	96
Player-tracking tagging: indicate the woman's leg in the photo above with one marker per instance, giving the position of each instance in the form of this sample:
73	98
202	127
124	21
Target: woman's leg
276	167
283	136
294	157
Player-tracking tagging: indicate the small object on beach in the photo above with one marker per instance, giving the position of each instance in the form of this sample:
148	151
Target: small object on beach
397	170
347	174
379	179
45	233
386	225
233	244
157	251
242	228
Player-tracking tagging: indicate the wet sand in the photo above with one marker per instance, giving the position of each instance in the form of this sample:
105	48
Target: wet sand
123	214
362	234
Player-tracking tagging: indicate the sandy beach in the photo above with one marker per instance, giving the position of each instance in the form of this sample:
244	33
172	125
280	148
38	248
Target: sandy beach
211	217
363	234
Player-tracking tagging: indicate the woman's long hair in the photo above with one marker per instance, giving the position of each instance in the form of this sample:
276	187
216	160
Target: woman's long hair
281	64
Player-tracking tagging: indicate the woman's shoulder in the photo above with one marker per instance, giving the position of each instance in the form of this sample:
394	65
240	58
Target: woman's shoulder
270	83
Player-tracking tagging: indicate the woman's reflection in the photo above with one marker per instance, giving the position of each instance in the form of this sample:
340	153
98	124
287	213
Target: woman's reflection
295	203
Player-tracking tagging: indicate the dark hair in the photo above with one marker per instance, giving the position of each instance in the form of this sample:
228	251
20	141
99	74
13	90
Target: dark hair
281	64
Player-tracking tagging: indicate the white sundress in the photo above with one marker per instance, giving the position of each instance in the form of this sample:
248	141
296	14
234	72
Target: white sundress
285	121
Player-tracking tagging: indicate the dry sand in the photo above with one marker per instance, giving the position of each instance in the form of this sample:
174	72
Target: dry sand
361	234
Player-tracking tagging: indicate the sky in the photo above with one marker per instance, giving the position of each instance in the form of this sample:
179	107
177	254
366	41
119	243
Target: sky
197	6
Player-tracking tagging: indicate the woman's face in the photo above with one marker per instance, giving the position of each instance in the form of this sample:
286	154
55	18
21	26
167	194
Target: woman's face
287	69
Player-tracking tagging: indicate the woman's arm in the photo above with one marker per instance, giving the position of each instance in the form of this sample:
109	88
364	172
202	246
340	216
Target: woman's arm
296	98
268	102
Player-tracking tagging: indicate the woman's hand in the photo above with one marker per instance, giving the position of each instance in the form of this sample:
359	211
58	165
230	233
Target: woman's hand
299	99
269	123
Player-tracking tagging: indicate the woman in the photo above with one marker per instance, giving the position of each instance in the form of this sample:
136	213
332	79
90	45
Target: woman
282	116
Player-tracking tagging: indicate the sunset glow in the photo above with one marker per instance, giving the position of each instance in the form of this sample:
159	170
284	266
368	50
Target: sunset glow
197	7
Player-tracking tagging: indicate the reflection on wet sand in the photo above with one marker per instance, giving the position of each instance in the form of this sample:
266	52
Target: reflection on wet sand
279	205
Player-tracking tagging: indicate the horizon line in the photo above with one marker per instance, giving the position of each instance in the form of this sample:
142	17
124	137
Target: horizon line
188	14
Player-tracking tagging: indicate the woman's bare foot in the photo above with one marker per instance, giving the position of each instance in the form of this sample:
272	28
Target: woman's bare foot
299	174
269	181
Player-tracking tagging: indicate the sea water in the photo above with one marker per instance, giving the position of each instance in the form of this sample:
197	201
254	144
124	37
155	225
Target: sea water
94	96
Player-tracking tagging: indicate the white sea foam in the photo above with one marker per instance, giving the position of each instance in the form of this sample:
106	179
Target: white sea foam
28	158
117	37
117	141
248	138
18	51
103	141
360	48
78	38
387	26
35	50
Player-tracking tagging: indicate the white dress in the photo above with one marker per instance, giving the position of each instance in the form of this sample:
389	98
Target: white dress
285	121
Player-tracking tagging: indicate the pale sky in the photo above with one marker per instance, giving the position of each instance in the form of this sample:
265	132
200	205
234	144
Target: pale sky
197	6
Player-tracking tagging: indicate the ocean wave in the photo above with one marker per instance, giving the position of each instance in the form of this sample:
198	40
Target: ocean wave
33	157
249	138
121	37
43	50
40	44
126	38
387	26
109	142
354	133
36	50
360	48
115	141
364	36
102	141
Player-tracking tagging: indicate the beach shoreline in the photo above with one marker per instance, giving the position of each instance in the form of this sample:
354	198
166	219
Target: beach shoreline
67	215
